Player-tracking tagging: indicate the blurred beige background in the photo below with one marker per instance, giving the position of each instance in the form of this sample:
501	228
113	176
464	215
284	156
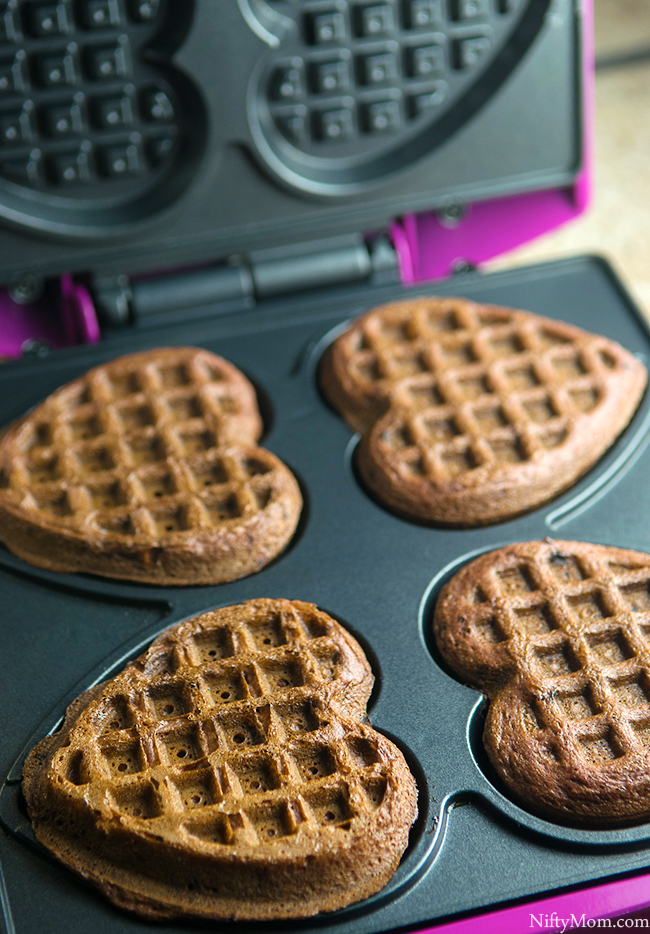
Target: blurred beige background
618	222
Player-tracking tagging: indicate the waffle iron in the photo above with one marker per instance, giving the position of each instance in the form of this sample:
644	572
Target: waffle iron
247	176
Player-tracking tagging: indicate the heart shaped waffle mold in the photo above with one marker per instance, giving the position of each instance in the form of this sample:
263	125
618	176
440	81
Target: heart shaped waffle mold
93	134
229	772
353	92
556	634
471	414
146	469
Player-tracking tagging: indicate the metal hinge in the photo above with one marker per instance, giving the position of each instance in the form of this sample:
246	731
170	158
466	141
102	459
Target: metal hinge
248	280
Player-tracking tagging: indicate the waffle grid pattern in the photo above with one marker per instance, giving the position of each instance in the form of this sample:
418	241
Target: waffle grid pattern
78	111
143	453
470	387
361	72
214	731
577	627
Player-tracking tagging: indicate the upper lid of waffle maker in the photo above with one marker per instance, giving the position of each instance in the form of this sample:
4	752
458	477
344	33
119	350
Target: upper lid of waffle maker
140	134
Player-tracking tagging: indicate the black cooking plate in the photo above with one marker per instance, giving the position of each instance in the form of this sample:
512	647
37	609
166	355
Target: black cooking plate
377	573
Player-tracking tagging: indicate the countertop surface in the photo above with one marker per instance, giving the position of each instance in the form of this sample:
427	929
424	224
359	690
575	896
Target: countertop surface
617	225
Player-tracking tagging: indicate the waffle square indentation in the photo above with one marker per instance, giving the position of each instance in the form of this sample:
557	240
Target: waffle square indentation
375	788
283	673
240	730
196	790
520	378
170	701
362	752
256	774
589	607
173	376
124	758
213	645
297	718
489	418
557	660
314	761
584	399
106	495
271	821
517	581
610	647
85	428
182	746
489	630
536	620
267	633
134	417
566	569
141	802
56	503
577	706
116	714
632	692
601	748
330	806
147	449
540	410
637	596
45	469
216	829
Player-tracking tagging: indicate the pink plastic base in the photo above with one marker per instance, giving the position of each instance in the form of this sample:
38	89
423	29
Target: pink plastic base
75	322
429	250
569	912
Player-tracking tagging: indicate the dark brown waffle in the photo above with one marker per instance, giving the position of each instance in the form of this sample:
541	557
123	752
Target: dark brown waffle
230	771
146	469
472	413
557	634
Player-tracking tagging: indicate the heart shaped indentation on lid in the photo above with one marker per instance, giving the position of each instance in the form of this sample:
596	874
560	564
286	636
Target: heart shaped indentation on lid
355	90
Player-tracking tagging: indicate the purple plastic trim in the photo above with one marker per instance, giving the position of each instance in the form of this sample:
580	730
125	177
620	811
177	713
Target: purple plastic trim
549	914
78	312
76	323
429	250
21	323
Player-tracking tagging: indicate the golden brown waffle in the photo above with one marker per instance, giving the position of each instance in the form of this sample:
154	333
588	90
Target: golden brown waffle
557	634
471	413
146	469
229	772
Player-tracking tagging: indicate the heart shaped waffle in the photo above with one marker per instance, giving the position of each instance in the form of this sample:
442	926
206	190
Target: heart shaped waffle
146	469
557	634
229	772
471	414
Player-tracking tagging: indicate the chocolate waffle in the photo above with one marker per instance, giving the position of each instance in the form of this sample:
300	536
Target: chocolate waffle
229	772
557	634
146	469
471	414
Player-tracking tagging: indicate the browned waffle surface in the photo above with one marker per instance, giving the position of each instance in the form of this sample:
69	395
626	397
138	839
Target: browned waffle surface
472	413
146	469
557	634
229	772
